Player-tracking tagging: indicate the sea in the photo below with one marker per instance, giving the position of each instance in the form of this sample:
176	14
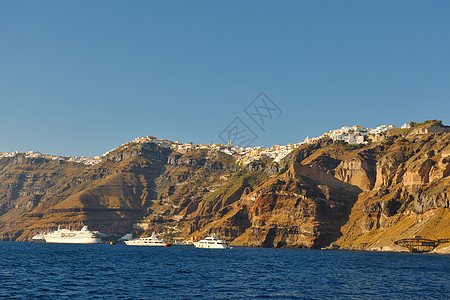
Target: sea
103	271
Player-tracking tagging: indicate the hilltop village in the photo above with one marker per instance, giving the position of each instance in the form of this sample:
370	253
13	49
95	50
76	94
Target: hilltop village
352	135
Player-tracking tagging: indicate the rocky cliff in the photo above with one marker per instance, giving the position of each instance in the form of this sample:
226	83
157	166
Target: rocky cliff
320	194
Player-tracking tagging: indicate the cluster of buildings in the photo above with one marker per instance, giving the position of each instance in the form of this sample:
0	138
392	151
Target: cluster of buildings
433	128
351	135
36	154
30	154
356	134
9	154
245	155
152	139
86	160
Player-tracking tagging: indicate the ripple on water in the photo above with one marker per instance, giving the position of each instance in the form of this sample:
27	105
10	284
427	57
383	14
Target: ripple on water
102	271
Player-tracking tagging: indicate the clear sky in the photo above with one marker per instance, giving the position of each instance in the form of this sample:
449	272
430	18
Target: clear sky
82	77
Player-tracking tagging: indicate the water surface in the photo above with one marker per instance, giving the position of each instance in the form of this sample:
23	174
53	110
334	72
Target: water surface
64	271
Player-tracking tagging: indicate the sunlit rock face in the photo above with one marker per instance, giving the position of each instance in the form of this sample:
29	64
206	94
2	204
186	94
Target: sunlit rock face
321	193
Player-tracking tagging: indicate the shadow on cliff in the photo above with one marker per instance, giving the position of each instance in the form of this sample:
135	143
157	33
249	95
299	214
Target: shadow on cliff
335	200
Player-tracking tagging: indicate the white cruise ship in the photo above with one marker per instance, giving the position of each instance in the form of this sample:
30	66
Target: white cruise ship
84	236
212	242
148	241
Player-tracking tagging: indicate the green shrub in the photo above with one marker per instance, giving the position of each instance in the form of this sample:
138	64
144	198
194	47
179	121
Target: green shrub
283	170
427	122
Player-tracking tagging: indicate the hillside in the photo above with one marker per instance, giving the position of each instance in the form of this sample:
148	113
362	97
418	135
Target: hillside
324	192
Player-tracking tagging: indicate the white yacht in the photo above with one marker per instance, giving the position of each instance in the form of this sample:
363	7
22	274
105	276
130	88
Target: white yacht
38	238
212	242
148	241
83	236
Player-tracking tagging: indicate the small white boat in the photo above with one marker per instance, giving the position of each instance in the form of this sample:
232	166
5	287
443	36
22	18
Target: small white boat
38	238
83	236
212	242
148	241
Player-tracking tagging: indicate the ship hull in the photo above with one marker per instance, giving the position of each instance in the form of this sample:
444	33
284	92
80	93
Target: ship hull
58	240
148	241
206	246
139	243
67	236
212	242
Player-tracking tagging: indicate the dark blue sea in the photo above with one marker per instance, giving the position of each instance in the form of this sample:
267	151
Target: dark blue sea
63	271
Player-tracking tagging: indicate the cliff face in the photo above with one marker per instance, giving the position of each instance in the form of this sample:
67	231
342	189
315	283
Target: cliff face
410	196
38	195
322	193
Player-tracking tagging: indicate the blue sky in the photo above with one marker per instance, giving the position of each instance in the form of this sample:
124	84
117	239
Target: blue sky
82	77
